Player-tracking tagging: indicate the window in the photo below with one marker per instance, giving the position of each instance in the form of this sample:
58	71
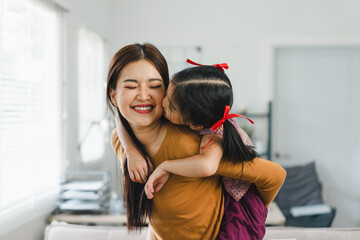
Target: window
92	80
30	109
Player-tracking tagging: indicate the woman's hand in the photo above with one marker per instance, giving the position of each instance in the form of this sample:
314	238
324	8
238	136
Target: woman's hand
137	167
156	181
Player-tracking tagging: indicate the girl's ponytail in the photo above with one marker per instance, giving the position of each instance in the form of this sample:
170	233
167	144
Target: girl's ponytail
233	146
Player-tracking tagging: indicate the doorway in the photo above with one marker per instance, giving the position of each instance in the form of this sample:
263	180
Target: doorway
316	118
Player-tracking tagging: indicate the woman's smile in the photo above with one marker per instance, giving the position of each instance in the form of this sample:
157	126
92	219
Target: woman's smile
143	108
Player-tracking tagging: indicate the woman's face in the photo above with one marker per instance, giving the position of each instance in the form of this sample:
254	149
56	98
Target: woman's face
171	110
139	93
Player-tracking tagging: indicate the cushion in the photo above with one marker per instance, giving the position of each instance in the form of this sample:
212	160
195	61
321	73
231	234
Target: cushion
317	220
301	187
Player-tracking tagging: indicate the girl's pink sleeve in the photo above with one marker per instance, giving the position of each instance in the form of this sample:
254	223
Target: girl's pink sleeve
245	138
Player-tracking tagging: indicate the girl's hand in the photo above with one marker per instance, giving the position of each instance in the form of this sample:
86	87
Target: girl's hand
156	181
137	167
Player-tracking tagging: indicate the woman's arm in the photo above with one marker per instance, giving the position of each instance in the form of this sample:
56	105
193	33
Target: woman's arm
136	163
266	175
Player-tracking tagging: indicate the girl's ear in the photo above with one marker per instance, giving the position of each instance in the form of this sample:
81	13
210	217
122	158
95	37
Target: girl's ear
195	126
113	97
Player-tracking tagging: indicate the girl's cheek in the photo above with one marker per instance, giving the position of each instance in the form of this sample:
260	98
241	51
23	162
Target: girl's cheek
165	106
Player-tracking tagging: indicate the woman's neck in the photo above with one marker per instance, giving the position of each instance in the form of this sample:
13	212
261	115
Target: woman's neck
151	136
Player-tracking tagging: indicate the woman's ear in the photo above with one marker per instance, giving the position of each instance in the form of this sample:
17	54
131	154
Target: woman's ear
195	126
113	97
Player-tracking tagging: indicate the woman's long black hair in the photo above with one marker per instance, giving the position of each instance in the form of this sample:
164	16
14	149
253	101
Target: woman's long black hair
201	94
137	204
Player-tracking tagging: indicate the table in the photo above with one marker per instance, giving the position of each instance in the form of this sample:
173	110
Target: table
274	218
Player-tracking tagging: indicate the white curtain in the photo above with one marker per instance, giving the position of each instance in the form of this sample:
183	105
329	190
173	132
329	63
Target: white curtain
31	123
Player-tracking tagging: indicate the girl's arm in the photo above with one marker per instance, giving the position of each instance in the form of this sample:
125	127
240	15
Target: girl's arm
118	148
136	163
203	165
266	175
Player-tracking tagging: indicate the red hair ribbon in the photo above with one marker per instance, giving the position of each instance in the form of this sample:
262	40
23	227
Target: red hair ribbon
219	123
220	66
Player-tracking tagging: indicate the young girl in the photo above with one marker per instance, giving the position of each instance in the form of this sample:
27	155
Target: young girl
201	97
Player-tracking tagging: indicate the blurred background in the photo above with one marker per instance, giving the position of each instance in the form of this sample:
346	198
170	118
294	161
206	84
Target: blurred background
294	66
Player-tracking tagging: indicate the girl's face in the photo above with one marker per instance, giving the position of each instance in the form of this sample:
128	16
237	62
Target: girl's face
139	93
171	111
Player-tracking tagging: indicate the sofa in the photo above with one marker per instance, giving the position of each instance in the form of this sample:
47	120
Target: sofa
60	231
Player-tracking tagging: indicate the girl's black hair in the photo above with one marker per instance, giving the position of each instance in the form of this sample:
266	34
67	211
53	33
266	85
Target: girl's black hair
201	94
137	204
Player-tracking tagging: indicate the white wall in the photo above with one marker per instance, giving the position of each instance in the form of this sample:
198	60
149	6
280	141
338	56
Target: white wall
234	30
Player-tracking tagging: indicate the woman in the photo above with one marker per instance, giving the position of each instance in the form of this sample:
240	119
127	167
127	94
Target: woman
185	208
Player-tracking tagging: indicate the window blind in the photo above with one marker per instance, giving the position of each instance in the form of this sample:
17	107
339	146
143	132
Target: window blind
30	107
